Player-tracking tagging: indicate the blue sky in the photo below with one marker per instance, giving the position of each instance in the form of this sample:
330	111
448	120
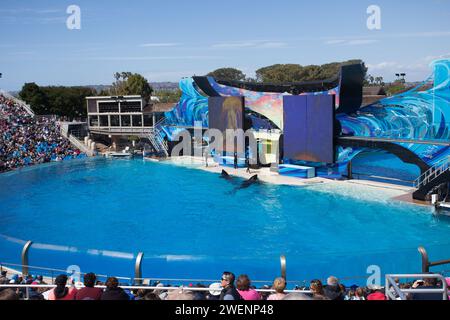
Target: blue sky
166	40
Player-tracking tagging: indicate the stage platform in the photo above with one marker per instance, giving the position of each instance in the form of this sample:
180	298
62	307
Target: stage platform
297	171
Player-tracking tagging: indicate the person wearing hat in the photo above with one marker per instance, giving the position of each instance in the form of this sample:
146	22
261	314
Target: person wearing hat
214	291
229	291
376	294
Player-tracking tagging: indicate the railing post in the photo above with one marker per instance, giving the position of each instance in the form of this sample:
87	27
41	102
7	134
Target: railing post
138	269
25	249
425	260
283	266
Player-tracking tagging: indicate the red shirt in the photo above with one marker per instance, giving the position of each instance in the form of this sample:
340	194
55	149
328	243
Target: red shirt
376	296
87	293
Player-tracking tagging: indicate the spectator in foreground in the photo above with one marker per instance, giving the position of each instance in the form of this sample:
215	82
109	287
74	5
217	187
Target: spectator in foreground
35	293
317	290
89	292
279	284
377	294
8	294
229	292
113	291
3	275
360	294
243	287
333	290
61	292
448	286
296	296
427	283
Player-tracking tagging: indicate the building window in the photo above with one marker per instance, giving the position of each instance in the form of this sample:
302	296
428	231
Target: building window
148	120
92	106
106	107
137	120
93	121
115	122
130	106
126	121
104	121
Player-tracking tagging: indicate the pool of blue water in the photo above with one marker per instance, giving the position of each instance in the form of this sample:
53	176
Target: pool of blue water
99	213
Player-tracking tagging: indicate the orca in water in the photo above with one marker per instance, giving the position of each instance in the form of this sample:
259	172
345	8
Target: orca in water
249	182
225	175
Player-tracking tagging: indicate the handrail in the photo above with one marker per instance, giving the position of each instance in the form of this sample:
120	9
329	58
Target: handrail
426	264
77	143
181	288
390	283
440	167
159	122
22	103
53	269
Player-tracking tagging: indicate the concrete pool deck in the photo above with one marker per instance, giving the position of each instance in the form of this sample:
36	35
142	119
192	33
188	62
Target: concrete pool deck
390	191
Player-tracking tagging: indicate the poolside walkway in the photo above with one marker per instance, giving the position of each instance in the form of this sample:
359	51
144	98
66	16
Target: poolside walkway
396	192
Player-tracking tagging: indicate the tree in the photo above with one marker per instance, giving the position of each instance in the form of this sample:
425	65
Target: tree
63	101
282	73
128	83
32	94
168	96
230	74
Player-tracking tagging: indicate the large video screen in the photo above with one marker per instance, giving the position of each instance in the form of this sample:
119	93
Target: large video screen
227	113
309	128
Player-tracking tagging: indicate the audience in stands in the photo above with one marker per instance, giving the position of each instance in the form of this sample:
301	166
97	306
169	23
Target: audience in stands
61	292
333	290
89	292
427	283
113	291
229	292
243	285
376	293
26	140
316	288
216	291
279	284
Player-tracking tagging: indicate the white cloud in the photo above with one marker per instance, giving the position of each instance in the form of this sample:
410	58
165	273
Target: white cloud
162	44
269	45
355	42
429	59
337	41
266	44
144	58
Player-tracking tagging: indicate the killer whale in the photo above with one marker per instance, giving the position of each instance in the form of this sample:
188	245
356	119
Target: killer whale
249	182
225	175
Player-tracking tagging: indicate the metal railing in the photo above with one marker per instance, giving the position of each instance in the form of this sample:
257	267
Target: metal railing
400	294
432	173
160	122
122	130
158	142
181	289
426	264
80	145
75	142
138	279
19	102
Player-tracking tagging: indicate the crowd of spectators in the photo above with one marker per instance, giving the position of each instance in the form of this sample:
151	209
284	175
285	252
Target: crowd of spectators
27	140
227	289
